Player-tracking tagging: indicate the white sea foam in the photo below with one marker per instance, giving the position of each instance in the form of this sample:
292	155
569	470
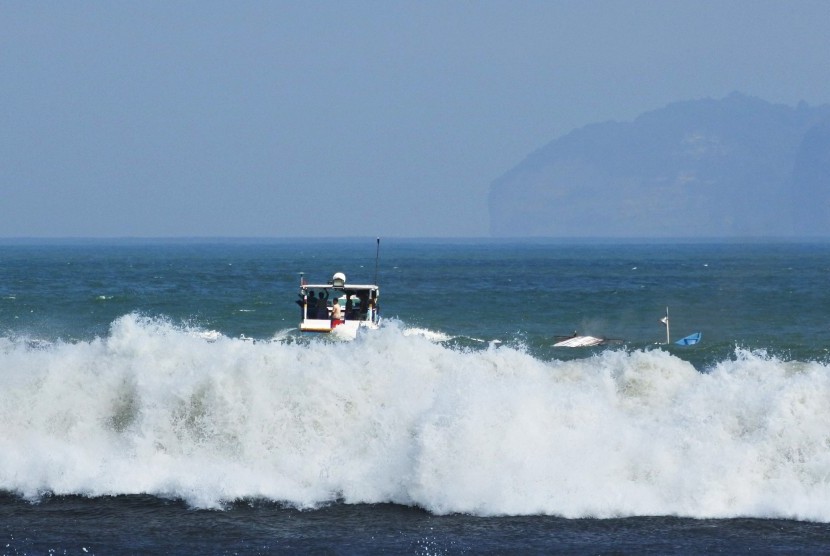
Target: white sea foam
209	335
431	335
393	418
283	334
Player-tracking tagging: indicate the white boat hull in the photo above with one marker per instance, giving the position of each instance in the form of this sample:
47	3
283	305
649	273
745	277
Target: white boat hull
580	341
347	330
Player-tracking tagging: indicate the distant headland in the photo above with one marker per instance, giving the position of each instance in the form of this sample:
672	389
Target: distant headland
734	167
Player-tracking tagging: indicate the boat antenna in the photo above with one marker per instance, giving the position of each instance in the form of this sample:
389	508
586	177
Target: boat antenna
377	256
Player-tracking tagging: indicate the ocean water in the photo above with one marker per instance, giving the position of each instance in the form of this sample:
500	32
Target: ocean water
156	397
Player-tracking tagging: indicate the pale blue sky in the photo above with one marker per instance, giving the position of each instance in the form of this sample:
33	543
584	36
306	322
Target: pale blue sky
281	119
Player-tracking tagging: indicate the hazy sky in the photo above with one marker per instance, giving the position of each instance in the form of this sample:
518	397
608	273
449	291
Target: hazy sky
353	118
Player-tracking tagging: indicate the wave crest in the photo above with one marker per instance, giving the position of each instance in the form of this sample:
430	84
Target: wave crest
396	417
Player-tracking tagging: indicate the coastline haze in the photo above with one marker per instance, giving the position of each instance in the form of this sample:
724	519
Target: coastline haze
286	120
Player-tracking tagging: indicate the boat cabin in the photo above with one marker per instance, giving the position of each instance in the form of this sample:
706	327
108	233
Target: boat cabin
338	307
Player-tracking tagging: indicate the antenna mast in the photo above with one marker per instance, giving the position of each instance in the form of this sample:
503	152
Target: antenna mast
377	256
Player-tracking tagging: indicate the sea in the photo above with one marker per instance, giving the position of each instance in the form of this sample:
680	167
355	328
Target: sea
156	397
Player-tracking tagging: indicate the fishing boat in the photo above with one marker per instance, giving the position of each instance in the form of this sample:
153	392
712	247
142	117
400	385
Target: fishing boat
338	307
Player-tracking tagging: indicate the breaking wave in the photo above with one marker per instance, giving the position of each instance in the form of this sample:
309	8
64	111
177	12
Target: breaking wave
395	417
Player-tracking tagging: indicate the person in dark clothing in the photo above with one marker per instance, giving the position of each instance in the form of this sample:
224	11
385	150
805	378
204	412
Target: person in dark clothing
322	307
312	304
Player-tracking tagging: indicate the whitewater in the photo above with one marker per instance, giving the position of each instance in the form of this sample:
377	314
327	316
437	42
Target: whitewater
153	407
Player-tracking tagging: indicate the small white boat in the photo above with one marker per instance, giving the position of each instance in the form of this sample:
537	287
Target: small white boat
576	340
579	341
690	340
356	305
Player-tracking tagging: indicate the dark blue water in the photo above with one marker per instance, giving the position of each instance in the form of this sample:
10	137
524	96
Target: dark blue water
144	525
134	419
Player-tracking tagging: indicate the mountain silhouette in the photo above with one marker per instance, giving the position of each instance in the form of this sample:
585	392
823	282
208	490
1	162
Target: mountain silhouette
734	167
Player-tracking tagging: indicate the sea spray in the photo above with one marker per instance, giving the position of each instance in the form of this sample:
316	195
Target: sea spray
393	417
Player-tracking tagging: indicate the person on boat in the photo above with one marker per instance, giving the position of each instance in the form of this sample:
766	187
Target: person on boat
311	304
322	306
302	303
349	308
336	313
